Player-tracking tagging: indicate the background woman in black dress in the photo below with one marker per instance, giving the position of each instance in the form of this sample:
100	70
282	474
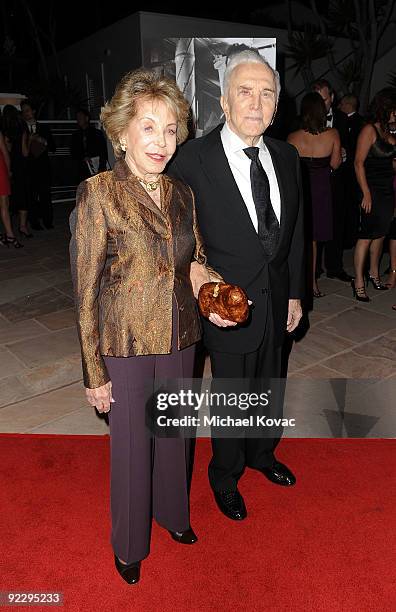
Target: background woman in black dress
376	149
319	149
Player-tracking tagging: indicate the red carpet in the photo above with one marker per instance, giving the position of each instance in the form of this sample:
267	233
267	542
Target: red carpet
325	545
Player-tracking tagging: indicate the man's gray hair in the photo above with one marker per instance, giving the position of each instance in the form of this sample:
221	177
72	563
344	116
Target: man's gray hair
249	56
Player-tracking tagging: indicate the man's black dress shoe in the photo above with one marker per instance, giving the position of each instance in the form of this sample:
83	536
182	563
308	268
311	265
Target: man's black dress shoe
184	537
279	474
48	226
342	276
130	573
36	226
231	504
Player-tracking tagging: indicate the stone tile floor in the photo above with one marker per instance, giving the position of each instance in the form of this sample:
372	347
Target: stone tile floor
41	387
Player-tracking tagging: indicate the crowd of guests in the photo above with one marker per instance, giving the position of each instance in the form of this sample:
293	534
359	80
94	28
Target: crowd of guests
348	165
25	173
138	260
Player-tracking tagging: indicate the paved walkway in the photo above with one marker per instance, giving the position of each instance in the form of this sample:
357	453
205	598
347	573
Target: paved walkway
40	373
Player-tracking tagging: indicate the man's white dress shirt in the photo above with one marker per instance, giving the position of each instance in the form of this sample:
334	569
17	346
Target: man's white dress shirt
240	168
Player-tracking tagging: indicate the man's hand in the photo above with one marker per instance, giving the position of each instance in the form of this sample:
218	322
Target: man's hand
294	315
101	397
217	320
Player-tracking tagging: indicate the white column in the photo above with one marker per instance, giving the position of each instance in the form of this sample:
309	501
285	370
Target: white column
185	71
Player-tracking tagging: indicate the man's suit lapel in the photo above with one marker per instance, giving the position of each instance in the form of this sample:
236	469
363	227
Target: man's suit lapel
280	171
217	169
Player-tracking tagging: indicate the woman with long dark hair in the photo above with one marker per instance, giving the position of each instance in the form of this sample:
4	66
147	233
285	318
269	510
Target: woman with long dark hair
376	149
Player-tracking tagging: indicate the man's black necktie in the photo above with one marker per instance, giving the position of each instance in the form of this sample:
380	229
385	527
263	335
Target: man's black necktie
268	225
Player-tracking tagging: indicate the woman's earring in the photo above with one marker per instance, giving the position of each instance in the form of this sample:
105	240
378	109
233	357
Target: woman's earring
123	145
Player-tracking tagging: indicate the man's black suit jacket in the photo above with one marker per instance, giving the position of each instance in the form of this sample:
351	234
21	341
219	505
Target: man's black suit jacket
340	122
45	131
88	143
40	166
232	244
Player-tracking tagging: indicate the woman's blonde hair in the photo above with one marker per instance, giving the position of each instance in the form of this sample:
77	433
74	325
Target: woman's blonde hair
142	85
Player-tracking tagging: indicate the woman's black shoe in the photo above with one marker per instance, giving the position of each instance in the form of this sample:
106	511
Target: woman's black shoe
11	240
376	282
317	293
184	537
130	573
359	293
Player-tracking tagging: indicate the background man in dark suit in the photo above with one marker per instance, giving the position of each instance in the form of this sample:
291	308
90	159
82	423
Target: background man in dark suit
249	208
334	248
349	105
88	147
41	143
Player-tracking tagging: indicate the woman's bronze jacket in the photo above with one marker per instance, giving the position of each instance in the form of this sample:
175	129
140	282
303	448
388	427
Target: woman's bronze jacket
127	257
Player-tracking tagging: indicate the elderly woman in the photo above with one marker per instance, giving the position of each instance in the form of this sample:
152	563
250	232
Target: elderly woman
134	236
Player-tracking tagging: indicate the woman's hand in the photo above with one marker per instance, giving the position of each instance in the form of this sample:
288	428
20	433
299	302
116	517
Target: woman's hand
101	397
198	276
366	202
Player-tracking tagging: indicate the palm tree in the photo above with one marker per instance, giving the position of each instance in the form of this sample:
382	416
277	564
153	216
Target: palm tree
305	47
350	73
363	22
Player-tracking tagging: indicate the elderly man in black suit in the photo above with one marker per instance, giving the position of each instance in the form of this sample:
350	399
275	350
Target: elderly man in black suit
249	206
